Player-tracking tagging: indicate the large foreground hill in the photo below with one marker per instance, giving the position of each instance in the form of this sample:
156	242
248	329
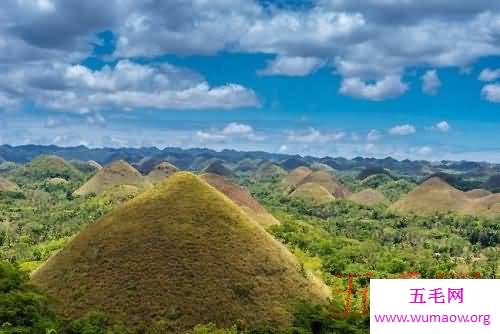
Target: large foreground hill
181	252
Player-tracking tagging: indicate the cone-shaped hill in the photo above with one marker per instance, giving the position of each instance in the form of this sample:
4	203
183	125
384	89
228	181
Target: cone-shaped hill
180	252
217	167
296	176
117	173
432	196
368	197
242	198
161	172
269	171
46	167
313	193
6	185
327	181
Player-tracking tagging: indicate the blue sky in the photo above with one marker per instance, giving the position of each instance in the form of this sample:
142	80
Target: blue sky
413	79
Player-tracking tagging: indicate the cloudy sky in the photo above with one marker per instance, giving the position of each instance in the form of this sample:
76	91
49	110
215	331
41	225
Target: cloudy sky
416	79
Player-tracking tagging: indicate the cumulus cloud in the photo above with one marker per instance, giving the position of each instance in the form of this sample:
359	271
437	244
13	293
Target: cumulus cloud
491	93
388	87
403	130
231	131
313	135
489	74
292	66
126	86
237	129
431	82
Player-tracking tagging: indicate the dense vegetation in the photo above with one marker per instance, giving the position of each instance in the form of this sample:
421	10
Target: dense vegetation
334	240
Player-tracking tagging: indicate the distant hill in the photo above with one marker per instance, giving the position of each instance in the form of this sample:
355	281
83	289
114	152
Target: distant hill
269	171
373	171
368	197
161	172
46	167
242	198
217	167
296	176
292	163
313	193
432	196
117	173
437	196
327	181
181	251
376	180
6	185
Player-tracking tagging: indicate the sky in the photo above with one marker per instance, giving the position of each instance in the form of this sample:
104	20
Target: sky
417	79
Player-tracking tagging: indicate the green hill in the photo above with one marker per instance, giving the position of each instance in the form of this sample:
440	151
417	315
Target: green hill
182	253
46	167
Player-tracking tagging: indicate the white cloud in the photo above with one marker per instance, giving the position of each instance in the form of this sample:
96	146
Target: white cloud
442	126
386	88
403	130
489	75
314	136
292	66
431	82
491	93
237	129
424	151
373	135
210	136
127	86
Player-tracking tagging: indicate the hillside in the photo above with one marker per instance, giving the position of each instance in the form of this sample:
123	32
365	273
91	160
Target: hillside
477	193
161	171
6	185
181	252
242	198
117	173
368	197
268	171
46	167
217	167
432	196
296	176
327	181
313	193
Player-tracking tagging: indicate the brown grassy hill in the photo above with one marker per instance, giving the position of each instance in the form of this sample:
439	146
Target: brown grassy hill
242	198
368	197
117	173
477	193
327	181
313	193
219	168
6	185
94	164
161	172
180	252
488	206
432	196
296	176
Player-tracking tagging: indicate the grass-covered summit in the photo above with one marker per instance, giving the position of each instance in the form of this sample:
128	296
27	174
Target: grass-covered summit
181	252
117	173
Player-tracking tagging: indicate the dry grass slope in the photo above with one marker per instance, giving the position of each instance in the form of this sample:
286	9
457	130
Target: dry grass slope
478	193
368	197
269	171
161	172
6	185
313	193
436	196
117	173
242	198
327	181
296	176
180	252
